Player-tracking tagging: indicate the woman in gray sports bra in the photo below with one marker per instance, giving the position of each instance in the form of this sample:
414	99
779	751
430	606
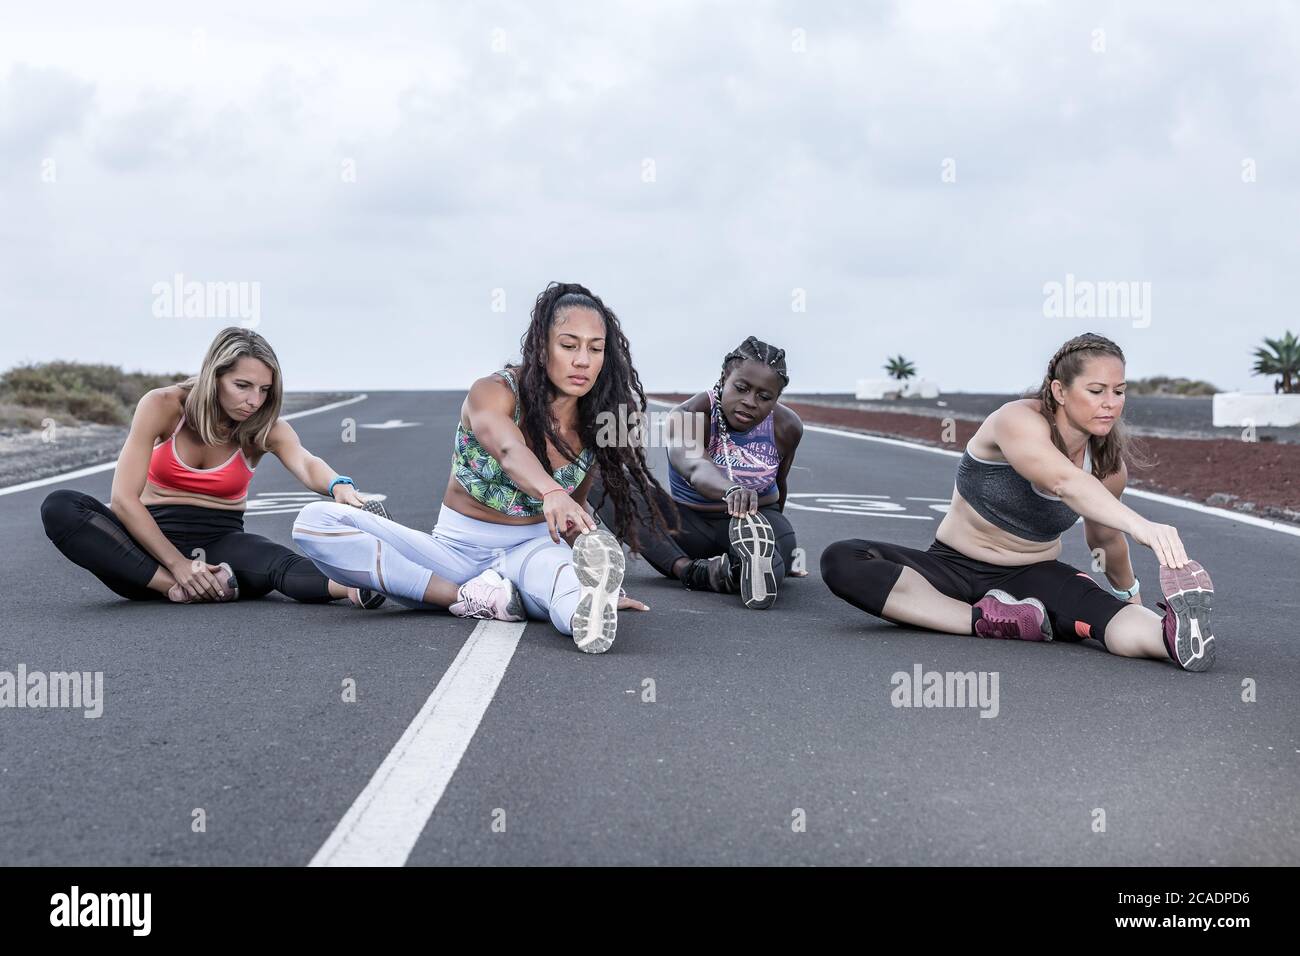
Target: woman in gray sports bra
1032	469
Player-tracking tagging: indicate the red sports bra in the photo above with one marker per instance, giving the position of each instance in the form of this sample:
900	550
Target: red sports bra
229	480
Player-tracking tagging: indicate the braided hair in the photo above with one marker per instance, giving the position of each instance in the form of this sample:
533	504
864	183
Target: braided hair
752	349
617	390
1065	366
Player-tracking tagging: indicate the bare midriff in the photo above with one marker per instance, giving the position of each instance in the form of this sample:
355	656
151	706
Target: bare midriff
458	499
156	495
964	529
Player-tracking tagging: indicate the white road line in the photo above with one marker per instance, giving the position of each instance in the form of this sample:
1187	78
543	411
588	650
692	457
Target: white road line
383	824
110	465
1149	495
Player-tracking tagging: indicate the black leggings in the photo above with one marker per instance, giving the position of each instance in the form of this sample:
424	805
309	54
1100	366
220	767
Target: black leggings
703	534
864	572
90	535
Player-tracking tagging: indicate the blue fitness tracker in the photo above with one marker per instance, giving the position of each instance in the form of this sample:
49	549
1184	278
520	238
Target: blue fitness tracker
1125	593
339	480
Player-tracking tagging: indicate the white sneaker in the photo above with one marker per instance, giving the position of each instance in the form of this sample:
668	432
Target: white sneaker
489	597
599	563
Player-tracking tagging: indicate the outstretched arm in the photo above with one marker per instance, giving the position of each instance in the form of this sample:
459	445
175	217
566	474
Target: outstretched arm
1023	437
687	438
490	407
309	469
1112	544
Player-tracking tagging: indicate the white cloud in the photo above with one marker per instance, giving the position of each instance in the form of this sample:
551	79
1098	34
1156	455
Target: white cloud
214	147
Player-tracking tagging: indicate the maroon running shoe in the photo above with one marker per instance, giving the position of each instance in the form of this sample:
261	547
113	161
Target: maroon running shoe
1004	616
1188	592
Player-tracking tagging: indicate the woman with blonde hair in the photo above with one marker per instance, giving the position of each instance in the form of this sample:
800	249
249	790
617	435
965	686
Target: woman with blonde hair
1031	470
175	528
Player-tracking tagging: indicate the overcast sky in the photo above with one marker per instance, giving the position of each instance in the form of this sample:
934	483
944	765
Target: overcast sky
920	170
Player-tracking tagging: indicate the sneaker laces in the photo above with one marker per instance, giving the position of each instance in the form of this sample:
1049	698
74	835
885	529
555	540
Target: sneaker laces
1001	626
476	604
1000	619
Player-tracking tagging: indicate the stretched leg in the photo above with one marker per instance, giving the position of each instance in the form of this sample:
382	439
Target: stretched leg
901	585
90	535
363	550
1080	608
262	566
758	554
1136	631
544	574
785	540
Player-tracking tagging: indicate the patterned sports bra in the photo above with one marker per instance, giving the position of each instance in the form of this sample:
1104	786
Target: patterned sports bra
483	479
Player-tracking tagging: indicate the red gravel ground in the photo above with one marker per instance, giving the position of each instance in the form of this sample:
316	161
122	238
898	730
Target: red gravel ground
1258	477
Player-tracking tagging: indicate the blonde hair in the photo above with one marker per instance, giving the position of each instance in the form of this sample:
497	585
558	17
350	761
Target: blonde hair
1118	446
203	411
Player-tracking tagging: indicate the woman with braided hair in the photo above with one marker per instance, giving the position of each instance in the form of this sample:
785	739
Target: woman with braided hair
514	536
1030	471
729	456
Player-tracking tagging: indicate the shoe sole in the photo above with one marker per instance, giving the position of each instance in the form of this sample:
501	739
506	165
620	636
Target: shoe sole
1189	593
515	606
232	583
1045	625
376	508
598	561
754	540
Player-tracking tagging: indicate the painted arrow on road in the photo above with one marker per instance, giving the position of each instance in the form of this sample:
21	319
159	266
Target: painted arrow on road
392	423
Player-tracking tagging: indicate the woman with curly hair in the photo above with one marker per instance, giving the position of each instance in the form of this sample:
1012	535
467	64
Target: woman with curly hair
513	536
1032	469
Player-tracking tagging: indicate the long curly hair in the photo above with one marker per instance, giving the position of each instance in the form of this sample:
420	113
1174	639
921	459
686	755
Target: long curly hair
1066	365
750	349
616	391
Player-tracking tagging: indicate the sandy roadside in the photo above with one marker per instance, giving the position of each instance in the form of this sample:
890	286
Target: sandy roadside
1260	478
26	455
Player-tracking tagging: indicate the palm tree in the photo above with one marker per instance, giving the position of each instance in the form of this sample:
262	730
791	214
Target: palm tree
1282	357
900	368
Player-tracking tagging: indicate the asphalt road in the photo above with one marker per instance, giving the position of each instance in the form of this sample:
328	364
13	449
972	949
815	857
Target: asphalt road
761	721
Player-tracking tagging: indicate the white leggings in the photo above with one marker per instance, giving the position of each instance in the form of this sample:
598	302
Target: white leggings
363	550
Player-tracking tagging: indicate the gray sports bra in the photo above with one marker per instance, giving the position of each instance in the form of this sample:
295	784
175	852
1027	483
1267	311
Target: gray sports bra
1001	496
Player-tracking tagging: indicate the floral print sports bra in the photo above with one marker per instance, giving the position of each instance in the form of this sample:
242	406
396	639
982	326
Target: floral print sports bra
483	479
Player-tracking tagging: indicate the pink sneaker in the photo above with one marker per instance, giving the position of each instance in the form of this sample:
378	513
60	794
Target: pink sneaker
1188	639
1007	617
489	597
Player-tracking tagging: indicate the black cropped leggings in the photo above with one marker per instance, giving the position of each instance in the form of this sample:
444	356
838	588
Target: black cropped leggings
90	535
864	572
702	534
